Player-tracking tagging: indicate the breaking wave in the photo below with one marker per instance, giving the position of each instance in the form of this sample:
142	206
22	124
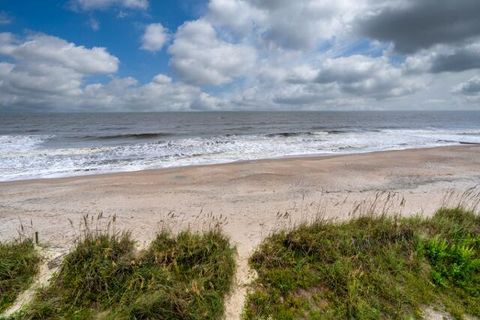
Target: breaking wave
28	156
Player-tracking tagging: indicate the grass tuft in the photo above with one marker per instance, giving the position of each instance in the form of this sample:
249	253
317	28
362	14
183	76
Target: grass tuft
182	277
18	265
369	268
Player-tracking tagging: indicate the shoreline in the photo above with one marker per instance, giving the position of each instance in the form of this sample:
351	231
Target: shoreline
245	192
236	162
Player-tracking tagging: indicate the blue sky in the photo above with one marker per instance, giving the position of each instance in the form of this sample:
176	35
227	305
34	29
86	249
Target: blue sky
145	55
120	34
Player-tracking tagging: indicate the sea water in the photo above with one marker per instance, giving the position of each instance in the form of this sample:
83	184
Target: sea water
58	145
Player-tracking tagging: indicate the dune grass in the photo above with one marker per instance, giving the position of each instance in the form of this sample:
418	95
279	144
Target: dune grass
374	267
178	277
18	265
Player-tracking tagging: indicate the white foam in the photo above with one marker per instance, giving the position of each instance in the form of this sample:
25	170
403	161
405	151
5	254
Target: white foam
19	143
24	157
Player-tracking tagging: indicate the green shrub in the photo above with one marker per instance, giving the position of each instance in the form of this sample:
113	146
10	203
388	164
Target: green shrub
369	268
18	265
456	262
182	277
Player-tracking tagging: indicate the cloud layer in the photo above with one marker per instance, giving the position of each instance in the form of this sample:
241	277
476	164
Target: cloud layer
104	4
264	54
52	74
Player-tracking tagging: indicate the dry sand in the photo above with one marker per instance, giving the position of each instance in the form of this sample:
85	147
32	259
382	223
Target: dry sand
249	199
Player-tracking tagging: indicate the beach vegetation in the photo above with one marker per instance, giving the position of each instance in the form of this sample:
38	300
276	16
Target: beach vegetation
19	263
183	276
370	267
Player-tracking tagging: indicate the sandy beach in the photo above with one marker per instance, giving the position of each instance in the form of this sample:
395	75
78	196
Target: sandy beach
248	199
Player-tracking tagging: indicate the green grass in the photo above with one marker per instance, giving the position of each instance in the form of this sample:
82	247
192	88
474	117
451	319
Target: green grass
18	265
369	268
182	277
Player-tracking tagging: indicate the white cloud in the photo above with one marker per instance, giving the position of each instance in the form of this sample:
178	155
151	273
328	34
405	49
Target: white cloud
50	73
48	50
103	4
309	55
308	22
200	57
298	25
161	94
353	82
46	67
273	54
289	69
154	37
237	15
302	74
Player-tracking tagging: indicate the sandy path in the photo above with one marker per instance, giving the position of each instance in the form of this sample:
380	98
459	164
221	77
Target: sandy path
249	199
51	258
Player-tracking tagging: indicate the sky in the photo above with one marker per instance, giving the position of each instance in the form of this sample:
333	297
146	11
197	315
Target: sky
236	55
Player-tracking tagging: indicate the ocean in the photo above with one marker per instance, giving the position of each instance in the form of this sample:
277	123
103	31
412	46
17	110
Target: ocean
59	145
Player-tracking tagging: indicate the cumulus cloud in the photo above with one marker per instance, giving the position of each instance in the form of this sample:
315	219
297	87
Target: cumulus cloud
301	74
303	24
343	82
289	70
268	54
49	50
414	25
238	15
50	73
305	95
200	57
161	94
104	4
46	66
366	76
297	25
333	64
469	88
154	37
445	58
